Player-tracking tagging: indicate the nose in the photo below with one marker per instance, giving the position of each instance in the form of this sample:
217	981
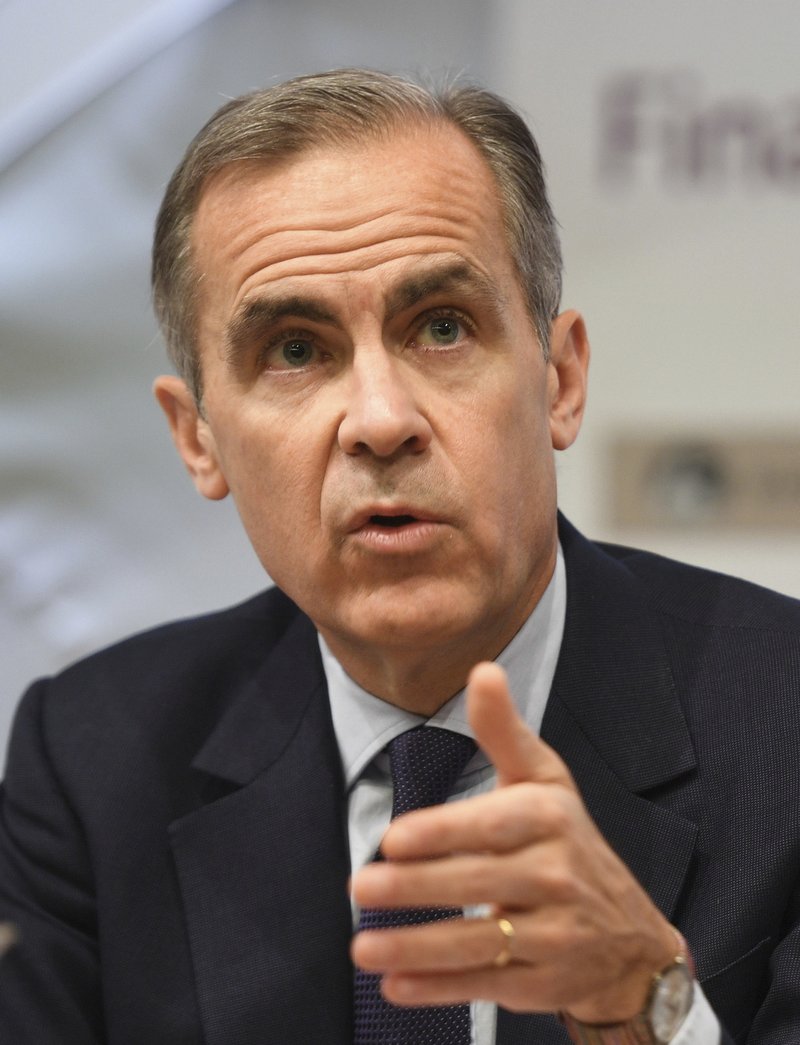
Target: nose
382	415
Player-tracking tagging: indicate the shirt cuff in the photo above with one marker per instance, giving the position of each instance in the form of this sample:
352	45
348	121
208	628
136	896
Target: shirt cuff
701	1026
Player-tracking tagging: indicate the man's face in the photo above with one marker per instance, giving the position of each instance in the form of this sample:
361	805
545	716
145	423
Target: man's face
375	396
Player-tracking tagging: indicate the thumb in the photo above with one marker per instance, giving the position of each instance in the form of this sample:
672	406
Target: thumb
515	751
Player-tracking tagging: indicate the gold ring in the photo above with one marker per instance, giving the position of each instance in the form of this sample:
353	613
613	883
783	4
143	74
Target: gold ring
504	955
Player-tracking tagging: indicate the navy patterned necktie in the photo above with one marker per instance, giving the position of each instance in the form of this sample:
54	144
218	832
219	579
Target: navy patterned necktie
426	763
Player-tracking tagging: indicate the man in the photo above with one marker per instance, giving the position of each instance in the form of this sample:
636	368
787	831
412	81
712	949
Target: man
359	286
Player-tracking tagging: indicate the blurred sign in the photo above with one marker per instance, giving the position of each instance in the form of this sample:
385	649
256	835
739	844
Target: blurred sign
732	482
666	124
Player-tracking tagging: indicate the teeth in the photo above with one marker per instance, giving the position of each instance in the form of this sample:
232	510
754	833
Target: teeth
392	520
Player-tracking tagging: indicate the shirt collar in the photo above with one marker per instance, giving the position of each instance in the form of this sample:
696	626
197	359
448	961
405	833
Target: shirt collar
364	724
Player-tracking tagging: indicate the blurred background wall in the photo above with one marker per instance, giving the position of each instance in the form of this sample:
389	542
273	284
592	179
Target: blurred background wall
671	132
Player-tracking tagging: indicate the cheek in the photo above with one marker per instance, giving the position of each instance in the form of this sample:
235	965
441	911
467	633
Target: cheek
517	466
279	509
273	476
511	427
279	490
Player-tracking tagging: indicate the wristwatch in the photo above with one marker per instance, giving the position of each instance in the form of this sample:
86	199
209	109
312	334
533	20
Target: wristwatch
667	1006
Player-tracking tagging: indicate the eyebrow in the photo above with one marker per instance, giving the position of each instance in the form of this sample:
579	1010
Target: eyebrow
455	277
258	315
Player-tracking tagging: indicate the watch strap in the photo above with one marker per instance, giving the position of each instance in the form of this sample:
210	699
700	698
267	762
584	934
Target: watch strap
636	1031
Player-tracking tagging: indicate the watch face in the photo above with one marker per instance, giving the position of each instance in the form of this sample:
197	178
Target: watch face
671	1001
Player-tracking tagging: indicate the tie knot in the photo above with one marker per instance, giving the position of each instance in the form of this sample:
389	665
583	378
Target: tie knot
426	762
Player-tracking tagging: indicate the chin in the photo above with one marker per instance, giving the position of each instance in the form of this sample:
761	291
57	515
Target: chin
414	622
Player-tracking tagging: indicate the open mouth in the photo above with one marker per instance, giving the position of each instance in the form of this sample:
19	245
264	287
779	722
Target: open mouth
392	521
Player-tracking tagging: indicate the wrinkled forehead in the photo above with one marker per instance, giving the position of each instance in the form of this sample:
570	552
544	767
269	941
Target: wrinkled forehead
423	178
375	151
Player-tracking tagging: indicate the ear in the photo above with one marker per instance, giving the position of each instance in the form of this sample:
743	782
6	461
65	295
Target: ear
192	436
568	369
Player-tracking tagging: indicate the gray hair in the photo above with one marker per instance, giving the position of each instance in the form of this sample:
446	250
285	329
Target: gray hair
340	108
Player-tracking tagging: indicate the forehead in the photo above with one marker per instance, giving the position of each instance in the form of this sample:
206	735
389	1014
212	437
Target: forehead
370	210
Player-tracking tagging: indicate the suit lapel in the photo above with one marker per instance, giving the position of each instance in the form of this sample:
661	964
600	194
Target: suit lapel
263	870
614	718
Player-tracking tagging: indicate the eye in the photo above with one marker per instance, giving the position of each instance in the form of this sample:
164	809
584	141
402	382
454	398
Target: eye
445	330
441	331
291	352
298	352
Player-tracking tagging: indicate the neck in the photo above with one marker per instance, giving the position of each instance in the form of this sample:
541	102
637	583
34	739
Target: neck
404	681
421	678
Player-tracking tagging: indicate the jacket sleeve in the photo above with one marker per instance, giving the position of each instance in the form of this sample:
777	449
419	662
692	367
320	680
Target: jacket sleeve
49	980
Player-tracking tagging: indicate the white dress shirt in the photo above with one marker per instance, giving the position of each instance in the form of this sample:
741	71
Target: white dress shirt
364	725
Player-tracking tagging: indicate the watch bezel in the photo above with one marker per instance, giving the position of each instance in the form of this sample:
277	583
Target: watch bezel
670	1000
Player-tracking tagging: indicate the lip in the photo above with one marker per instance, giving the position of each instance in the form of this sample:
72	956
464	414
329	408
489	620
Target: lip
367	516
416	528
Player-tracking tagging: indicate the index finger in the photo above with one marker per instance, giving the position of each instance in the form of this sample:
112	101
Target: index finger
516	752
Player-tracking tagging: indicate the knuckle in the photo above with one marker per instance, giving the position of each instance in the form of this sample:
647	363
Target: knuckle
503	830
558	879
556	813
559	883
533	882
508	824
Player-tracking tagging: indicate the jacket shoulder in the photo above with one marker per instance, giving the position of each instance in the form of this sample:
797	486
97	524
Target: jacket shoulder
704	596
172	681
197	640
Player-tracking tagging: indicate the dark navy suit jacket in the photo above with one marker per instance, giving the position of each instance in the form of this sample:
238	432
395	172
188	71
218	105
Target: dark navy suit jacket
173	839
